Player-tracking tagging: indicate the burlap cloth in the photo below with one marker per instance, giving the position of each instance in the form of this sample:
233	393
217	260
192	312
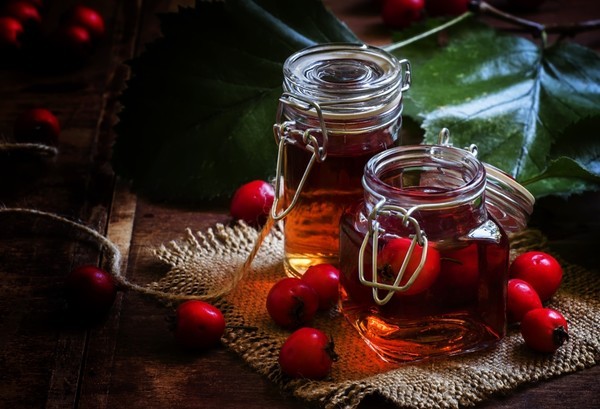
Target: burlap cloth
207	261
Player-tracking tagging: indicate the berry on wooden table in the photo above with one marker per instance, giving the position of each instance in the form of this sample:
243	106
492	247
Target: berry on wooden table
37	125
11	31
23	11
90	292
71	44
198	325
87	18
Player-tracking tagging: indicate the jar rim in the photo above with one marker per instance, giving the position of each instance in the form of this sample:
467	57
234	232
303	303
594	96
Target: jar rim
436	155
344	76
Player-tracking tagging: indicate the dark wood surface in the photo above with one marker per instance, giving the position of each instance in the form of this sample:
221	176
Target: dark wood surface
131	359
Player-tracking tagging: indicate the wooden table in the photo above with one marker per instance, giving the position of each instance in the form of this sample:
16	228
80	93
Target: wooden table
131	360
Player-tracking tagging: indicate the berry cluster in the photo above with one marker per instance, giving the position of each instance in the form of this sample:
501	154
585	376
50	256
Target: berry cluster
399	14
80	29
535	278
292	303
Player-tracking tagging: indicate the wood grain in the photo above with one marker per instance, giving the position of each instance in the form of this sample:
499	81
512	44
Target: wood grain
131	360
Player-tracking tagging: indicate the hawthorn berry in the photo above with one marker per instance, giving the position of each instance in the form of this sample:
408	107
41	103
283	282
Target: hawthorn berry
307	353
392	256
292	303
252	202
544	329
325	280
90	292
37	125
521	298
24	11
87	18
198	325
71	44
459	275
401	13
11	31
542	271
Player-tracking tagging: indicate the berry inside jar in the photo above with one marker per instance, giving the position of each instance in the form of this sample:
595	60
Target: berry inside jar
423	264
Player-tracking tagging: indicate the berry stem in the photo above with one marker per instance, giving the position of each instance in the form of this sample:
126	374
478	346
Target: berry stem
536	29
450	23
560	336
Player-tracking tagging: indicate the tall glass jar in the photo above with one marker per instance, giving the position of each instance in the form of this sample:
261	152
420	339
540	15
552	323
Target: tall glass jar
341	104
423	262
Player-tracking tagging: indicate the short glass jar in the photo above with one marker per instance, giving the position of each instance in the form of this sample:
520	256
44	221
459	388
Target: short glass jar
341	104
423	263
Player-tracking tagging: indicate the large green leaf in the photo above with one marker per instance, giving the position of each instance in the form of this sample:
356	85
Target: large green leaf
505	93
199	108
201	102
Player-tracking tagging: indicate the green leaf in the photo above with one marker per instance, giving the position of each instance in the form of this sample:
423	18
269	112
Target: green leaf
201	101
504	93
579	170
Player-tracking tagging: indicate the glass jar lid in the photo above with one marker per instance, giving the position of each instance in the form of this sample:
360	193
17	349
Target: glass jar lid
346	79
507	200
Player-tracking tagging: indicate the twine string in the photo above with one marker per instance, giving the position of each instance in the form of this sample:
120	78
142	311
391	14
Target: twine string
112	252
35	148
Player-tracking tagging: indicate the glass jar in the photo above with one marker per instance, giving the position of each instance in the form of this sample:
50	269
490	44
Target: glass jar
341	104
423	261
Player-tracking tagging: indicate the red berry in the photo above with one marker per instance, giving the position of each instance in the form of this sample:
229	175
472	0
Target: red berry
37	125
11	30
446	7
90	291
325	280
402	13
252	202
87	18
544	329
23	11
392	256
292	303
307	353
198	325
72	43
540	270
459	275
521	298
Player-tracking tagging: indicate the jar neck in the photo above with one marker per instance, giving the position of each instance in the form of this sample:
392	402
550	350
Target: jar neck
442	187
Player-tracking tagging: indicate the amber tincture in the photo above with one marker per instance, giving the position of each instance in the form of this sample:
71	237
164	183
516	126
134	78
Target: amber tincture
341	105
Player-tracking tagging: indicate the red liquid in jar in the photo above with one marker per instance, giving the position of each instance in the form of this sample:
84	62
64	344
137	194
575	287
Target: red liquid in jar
462	311
312	227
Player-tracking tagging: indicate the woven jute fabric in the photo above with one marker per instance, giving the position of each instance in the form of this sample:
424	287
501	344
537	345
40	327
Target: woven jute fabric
201	261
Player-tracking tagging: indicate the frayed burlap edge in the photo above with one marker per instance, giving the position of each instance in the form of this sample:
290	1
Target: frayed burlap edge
203	259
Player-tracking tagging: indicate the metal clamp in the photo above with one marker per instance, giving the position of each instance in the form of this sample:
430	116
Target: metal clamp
381	208
407	80
444	140
282	131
